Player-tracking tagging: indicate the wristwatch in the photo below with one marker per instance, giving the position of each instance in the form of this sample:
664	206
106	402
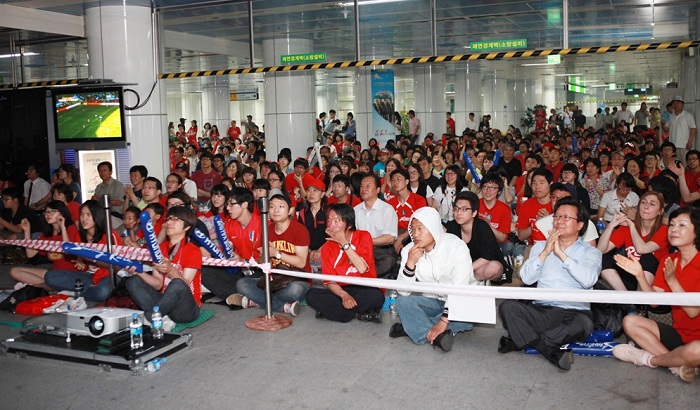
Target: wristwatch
278	255
345	247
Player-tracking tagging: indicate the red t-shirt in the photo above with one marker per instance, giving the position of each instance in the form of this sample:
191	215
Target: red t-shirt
527	216
188	255
295	235
246	242
405	211
293	186
74	210
206	182
622	237
689	279
692	181
451	126
556	170
335	262
61	261
233	132
499	217
352	200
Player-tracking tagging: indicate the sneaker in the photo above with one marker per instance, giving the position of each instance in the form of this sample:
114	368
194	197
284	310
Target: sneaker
371	316
292	308
506	345
19	285
76	304
397	331
444	341
56	305
168	324
630	354
235	300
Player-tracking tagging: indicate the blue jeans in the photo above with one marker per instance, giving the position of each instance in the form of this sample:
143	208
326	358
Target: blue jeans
177	301
512	249
65	280
293	292
419	314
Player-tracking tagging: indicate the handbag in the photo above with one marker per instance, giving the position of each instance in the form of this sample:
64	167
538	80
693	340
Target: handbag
26	293
608	316
278	281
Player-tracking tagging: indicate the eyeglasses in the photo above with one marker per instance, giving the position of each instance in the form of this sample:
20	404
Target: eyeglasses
460	209
273	179
50	211
565	218
489	188
172	219
174	204
231	203
693	159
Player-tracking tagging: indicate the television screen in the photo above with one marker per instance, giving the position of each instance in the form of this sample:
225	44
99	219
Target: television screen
89	115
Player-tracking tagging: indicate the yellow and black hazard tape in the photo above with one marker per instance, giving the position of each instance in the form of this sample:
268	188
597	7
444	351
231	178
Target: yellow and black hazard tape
407	60
441	59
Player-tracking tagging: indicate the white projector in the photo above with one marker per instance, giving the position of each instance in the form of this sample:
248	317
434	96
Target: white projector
98	322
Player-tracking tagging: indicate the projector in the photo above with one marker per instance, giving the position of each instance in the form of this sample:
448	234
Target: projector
98	322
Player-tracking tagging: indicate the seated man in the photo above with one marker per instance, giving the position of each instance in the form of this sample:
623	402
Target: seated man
563	261
546	223
348	252
432	257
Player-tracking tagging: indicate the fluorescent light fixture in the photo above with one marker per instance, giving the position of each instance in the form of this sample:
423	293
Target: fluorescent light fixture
18	55
370	2
566	75
533	64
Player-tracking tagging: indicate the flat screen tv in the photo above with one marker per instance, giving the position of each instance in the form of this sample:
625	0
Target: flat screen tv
89	117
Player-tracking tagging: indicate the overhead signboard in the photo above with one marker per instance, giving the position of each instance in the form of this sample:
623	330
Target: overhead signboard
555	59
498	44
302	58
250	96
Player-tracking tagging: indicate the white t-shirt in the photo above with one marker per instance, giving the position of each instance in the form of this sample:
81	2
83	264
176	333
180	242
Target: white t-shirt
681	125
612	205
546	224
625	115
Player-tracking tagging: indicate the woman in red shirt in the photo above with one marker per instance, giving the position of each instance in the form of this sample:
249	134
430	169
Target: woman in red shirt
175	285
59	227
192	133
645	239
348	252
94	275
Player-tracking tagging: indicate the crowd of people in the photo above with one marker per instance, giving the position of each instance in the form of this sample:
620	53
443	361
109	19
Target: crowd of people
450	210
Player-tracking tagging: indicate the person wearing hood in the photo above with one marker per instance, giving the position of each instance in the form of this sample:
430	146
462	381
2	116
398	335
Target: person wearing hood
565	262
432	257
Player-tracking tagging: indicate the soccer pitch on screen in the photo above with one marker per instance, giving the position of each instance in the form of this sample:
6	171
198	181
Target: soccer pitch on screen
80	118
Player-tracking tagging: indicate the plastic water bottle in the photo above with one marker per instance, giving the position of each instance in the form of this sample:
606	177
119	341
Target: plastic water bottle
136	328
156	323
392	302
78	289
155	364
600	226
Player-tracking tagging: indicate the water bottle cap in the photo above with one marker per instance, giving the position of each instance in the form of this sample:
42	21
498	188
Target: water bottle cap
135	315
155	309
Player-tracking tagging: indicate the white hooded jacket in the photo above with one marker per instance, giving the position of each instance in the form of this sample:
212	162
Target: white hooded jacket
448	263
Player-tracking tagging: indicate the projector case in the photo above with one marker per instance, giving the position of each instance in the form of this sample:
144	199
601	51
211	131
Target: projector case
82	350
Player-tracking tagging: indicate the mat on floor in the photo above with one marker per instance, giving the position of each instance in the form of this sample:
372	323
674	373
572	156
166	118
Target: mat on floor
204	315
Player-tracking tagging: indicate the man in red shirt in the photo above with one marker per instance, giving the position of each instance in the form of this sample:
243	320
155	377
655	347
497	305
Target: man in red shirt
450	124
233	131
405	203
555	164
493	211
341	192
299	179
538	206
206	177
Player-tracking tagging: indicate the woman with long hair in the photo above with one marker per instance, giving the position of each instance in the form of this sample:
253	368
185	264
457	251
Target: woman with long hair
332	170
417	184
94	275
59	226
634	167
645	239
593	182
446	193
569	175
398	127
69	176
391	165
61	192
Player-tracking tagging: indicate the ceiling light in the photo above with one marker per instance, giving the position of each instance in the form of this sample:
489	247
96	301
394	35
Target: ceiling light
564	75
18	55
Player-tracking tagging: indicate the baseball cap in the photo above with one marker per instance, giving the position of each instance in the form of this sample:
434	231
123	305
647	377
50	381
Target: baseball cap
249	116
678	98
254	158
182	166
316	183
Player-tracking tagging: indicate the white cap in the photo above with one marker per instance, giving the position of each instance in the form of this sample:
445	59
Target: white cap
678	98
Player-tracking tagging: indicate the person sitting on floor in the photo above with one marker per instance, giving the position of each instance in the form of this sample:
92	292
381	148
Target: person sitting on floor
679	272
433	257
347	252
563	261
289	249
174	285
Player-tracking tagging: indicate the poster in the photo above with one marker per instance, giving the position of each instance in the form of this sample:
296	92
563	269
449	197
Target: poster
89	177
383	105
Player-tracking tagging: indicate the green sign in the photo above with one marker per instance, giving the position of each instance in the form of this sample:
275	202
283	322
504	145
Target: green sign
303	58
555	59
577	85
498	45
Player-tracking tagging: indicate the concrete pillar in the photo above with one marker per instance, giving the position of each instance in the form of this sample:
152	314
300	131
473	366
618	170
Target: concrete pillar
430	102
121	48
362	77
467	97
215	103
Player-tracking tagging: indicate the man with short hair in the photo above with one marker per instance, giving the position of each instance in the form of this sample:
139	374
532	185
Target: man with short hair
451	127
206	177
111	187
641	118
297	181
545	224
682	128
555	163
37	192
152	187
341	192
12	214
233	131
563	261
188	185
623	114
538	206
425	166
509	163
496	213
379	219
405	203
413	126
249	124
133	193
